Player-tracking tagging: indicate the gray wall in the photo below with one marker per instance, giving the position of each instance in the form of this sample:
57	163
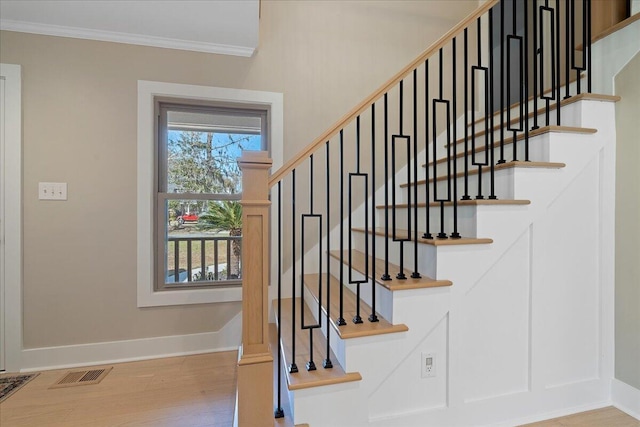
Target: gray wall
627	85
79	115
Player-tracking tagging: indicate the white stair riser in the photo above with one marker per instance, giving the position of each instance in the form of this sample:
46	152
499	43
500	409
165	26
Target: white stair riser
384	297
427	254
537	152
466	220
337	344
551	148
570	117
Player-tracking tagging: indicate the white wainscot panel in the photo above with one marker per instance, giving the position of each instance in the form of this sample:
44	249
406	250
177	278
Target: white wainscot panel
495	328
566	290
405	390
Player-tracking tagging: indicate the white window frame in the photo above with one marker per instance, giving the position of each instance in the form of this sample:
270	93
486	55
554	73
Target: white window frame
148	91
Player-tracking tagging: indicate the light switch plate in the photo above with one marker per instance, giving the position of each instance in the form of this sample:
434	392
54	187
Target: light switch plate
52	191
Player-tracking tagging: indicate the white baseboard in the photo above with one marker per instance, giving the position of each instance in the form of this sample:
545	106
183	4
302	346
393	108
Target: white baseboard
625	398
225	339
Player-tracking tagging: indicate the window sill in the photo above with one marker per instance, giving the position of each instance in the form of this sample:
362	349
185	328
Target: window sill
151	298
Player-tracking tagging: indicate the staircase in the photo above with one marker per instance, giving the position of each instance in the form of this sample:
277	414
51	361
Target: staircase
437	264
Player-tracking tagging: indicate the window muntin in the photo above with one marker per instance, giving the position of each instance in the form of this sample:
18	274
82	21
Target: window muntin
199	185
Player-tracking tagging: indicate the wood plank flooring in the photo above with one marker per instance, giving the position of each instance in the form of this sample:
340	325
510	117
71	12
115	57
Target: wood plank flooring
189	391
605	417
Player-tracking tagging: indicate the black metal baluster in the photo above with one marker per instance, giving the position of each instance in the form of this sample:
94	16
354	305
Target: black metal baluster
293	367
385	275
394	138
526	84
487	113
327	364
311	366
488	116
279	412
455	234
440	100
373	317
587	43
567	39
558	87
502	80
427	234
489	105
552	46
575	67
466	111
341	321
415	274
535	64
517	126
357	318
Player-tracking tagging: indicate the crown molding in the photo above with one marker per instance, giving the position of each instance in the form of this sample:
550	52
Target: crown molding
127	38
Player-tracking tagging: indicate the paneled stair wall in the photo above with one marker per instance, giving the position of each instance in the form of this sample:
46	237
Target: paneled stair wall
487	299
492	306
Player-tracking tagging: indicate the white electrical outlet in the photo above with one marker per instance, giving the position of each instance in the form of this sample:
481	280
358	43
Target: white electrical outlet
52	190
428	365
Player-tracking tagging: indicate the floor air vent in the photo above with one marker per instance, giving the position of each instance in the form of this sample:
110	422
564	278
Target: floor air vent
84	377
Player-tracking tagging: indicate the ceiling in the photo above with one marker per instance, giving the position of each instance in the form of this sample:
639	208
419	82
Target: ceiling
216	26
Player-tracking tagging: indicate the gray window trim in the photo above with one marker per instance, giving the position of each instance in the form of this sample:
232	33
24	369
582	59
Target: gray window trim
162	106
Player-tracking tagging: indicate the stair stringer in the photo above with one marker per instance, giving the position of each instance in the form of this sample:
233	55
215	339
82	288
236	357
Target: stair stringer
377	357
585	156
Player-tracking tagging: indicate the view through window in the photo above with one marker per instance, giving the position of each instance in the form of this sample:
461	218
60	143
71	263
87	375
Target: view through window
199	217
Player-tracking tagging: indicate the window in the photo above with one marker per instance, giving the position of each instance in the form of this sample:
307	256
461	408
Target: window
192	109
198	215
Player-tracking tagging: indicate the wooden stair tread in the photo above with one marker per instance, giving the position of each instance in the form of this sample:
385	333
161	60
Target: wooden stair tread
303	378
435	241
520	136
350	330
617	27
358	259
472	202
506	165
563	102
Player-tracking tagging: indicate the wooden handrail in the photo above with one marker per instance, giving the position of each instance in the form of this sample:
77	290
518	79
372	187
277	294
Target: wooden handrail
362	106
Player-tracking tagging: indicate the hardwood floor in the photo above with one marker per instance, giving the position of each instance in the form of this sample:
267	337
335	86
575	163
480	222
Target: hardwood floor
605	417
189	391
180	391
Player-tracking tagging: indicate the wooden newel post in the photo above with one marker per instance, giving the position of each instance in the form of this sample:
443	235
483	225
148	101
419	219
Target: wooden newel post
255	367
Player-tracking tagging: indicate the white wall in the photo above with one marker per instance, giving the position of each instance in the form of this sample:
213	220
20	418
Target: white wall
611	54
